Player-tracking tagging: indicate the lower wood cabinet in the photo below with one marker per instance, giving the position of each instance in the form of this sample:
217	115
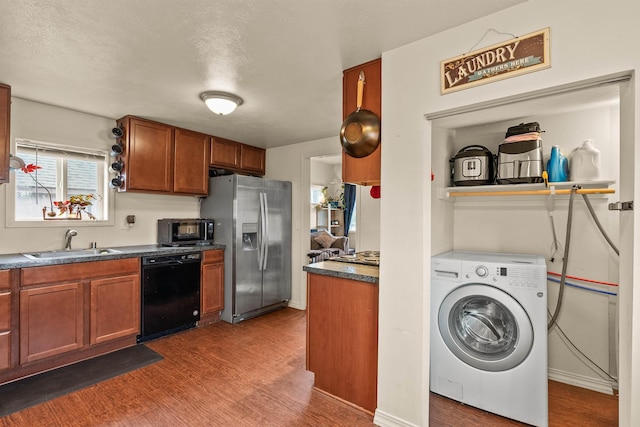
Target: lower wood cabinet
51	320
212	285
5	350
342	338
115	308
73	307
5	319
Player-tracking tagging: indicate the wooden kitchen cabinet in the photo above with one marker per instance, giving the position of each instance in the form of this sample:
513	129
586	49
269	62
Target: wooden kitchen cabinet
212	285
364	170
115	308
225	153
148	155
191	162
342	338
5	319
51	320
238	157
5	124
252	159
81	310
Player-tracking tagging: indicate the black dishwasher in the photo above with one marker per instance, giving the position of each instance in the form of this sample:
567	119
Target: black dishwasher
170	294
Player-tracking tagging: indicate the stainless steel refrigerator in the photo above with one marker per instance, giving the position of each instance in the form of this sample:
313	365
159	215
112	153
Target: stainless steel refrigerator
252	218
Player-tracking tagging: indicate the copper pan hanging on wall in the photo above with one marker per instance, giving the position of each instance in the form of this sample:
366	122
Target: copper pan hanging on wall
360	132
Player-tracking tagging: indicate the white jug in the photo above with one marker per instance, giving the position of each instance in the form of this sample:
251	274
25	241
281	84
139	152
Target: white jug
585	162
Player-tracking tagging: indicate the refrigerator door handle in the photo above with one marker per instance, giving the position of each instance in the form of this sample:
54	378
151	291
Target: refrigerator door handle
265	237
261	233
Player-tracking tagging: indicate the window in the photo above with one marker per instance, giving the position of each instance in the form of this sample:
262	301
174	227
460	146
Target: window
317	197
60	174
352	223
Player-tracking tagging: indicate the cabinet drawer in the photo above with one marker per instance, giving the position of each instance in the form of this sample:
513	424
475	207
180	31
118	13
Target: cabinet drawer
85	270
5	350
5	310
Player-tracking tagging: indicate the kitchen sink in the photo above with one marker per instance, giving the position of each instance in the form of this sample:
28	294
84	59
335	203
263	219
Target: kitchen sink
72	253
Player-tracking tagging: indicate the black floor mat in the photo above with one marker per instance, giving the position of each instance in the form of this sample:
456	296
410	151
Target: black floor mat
22	394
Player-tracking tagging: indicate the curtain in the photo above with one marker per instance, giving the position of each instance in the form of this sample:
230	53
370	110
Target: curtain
349	205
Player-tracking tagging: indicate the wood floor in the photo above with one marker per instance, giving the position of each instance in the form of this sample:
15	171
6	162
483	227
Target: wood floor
253	374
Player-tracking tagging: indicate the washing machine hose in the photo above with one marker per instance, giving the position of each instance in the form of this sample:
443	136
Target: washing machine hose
565	259
595	218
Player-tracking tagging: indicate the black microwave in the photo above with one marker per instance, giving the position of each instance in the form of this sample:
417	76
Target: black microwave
185	232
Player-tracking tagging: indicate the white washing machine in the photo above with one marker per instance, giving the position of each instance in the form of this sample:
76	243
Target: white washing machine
489	332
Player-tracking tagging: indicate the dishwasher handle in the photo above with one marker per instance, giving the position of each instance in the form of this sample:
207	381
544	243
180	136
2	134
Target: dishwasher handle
174	259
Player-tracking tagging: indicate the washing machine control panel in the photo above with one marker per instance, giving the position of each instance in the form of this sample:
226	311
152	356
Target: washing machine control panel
512	276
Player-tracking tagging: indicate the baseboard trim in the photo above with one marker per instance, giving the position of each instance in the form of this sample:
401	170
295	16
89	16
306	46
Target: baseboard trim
590	383
296	305
384	419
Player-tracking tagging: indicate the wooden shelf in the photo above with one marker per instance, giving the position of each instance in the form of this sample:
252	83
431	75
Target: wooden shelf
554	188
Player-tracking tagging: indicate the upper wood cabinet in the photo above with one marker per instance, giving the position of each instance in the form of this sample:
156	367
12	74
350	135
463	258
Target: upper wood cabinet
364	170
252	159
225	153
159	158
191	162
148	155
238	157
5	123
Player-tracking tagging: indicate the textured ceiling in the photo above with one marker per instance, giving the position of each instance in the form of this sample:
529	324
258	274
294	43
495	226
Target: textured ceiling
153	58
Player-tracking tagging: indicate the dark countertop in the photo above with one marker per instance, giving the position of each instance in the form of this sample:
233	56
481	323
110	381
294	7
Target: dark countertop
20	261
344	270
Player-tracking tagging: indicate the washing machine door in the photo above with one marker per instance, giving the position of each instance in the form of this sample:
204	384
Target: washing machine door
485	327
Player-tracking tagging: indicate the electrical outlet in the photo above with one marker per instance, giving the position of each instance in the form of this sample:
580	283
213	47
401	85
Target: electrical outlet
124	225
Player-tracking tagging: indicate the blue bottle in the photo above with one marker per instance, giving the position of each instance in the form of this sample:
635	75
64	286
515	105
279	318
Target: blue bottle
557	166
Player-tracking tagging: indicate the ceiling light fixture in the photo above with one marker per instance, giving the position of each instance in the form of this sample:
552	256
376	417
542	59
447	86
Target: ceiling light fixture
221	103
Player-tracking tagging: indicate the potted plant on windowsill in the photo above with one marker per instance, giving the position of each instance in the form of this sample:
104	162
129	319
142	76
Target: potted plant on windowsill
29	169
73	207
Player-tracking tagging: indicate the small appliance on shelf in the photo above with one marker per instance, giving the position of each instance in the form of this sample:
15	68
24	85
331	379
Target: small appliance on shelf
473	165
520	155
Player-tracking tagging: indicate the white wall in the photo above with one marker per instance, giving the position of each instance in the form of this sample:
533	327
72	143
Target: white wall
588	40
40	122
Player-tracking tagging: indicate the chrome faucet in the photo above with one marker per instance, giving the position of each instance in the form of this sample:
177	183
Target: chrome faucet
68	235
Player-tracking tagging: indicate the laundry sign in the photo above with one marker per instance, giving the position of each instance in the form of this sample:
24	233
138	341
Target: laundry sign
507	59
